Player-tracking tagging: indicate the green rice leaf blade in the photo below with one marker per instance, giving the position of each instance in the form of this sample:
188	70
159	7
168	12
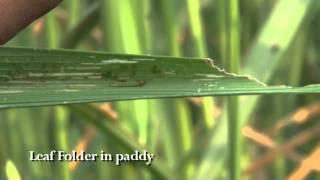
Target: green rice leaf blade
34	77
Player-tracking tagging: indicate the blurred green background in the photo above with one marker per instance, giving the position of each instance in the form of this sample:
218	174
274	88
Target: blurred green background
250	137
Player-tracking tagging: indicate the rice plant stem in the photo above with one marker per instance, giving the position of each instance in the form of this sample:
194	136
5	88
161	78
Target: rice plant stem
233	57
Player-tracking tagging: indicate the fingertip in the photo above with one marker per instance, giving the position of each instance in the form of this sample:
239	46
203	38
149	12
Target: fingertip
17	14
4	40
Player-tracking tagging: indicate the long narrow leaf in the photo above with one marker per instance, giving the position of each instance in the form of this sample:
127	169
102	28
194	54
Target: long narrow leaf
31	77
